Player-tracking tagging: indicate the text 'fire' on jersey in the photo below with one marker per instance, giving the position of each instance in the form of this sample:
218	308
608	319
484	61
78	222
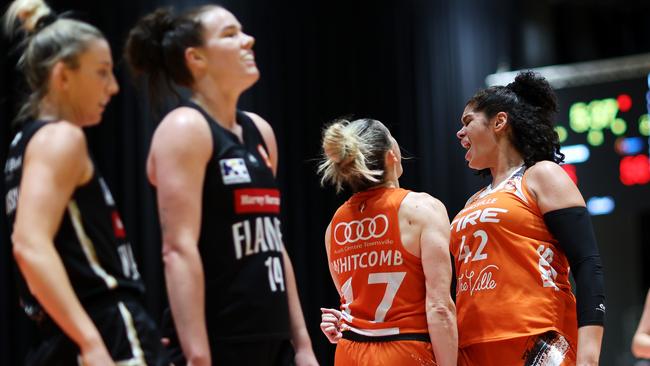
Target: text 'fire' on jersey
241	240
382	284
91	239
512	277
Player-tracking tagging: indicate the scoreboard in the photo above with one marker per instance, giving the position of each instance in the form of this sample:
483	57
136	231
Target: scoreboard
604	130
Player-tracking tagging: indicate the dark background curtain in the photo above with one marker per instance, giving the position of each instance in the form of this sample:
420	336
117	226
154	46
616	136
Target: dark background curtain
411	64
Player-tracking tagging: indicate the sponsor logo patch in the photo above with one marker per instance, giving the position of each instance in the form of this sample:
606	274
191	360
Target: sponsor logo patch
234	171
365	229
256	200
118	227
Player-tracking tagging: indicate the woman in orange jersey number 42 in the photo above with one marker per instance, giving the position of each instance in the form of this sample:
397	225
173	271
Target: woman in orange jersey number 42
516	239
388	254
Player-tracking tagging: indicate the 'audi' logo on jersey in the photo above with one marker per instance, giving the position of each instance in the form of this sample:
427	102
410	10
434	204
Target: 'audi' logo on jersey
350	232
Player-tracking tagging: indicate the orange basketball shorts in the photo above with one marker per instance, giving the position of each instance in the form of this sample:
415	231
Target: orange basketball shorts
548	349
392	353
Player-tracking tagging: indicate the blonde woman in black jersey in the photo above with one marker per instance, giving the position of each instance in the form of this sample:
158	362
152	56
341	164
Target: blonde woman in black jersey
79	282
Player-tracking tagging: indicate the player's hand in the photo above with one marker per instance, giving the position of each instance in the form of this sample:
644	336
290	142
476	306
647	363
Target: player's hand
95	356
331	324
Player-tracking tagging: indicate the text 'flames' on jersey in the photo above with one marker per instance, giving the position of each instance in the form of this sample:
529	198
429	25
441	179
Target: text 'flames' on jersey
512	279
241	239
382	284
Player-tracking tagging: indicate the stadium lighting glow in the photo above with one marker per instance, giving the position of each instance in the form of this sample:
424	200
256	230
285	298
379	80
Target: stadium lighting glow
603	112
562	133
579	119
595	137
644	125
575	154
629	145
600	205
624	102
635	170
595	116
619	126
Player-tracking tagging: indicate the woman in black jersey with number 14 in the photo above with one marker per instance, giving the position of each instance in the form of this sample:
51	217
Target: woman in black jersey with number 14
79	281
230	283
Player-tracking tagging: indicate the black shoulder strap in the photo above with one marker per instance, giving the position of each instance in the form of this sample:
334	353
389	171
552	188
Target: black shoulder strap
30	128
190	104
249	127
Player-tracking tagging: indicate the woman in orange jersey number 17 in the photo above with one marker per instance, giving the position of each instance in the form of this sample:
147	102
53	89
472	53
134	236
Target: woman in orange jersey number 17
388	255
516	239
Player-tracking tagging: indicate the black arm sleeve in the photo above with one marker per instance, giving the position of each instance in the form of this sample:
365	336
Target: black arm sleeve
573	230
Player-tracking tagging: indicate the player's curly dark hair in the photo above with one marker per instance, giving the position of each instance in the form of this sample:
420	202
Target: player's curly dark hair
531	105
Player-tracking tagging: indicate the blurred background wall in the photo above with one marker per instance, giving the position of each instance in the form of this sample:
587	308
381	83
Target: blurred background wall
411	64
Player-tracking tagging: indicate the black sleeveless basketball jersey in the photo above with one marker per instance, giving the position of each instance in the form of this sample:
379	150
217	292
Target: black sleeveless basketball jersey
240	241
91	240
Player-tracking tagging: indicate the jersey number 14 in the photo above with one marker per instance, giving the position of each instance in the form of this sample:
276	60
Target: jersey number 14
276	277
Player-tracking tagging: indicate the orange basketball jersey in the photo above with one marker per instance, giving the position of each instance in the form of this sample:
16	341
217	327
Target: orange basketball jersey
512	278
382	284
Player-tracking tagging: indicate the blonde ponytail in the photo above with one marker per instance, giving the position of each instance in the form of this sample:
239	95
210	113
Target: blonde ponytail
25	14
353	154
